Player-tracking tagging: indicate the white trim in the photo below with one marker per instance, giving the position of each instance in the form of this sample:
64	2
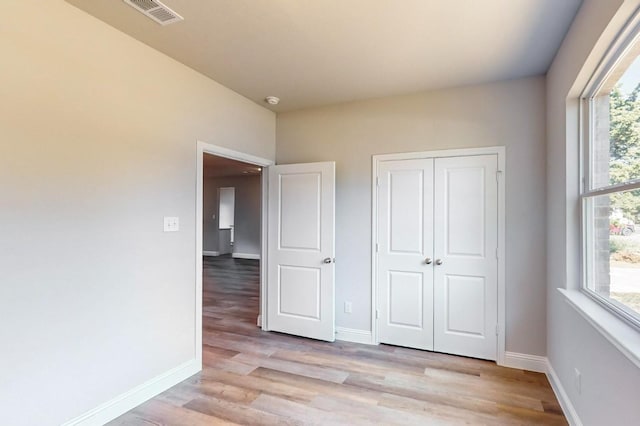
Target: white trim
463	152
201	149
618	332
354	335
245	256
527	362
496	150
561	395
264	226
541	364
210	253
620	46
259	321
119	405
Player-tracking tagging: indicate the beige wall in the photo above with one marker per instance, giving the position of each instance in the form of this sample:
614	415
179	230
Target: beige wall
98	143
509	114
248	199
609	380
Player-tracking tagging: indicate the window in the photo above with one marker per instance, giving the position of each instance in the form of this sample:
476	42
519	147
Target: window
611	183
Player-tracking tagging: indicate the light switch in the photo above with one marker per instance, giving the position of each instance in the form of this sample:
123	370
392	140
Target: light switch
171	224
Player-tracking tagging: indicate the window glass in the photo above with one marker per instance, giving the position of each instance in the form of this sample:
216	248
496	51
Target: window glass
613	250
611	199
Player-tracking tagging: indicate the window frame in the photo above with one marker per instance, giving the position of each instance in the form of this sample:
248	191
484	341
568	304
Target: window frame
616	52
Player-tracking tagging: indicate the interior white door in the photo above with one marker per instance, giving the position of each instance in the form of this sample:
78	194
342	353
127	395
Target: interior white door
300	277
466	266
405	252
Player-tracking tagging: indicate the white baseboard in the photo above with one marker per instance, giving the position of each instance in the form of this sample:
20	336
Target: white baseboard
259	321
541	364
245	256
119	405
210	253
353	335
525	362
567	407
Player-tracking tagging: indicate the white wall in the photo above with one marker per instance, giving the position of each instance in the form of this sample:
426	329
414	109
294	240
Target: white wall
610	382
98	144
509	114
247	213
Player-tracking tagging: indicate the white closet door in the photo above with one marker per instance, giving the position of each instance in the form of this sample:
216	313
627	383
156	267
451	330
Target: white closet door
301	234
465	236
405	244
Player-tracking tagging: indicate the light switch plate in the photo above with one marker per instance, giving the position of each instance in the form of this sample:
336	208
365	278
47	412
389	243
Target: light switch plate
171	224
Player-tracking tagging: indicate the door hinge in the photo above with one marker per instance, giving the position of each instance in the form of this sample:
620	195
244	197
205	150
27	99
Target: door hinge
377	181
377	247
497	253
377	314
497	329
498	174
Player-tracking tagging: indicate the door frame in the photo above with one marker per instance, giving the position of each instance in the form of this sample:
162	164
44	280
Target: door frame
207	148
501	178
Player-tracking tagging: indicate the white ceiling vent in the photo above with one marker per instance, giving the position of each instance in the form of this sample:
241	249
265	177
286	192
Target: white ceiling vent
155	10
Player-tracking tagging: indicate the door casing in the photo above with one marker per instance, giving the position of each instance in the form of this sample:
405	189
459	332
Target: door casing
206	148
501	177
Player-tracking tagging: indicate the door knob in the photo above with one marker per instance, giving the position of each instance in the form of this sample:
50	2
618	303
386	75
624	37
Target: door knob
438	261
327	260
428	261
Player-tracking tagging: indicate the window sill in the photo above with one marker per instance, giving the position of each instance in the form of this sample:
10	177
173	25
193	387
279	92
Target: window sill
622	335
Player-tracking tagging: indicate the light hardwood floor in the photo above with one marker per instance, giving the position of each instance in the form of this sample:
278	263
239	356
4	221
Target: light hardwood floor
256	378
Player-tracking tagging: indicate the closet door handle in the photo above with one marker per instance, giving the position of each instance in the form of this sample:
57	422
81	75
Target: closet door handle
438	261
428	261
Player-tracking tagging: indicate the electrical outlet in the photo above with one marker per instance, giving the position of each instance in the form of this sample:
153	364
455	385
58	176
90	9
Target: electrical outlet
171	224
577	379
347	307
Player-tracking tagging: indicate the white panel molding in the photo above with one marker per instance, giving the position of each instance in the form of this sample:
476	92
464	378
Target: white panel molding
525	362
245	256
565	403
210	253
119	405
354	335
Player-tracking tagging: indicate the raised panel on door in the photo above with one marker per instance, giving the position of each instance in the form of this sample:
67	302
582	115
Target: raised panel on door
300	276
405	240
465	243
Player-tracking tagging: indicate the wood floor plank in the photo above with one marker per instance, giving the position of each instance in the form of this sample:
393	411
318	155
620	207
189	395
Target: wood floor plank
306	370
239	414
317	386
301	413
159	413
264	378
281	389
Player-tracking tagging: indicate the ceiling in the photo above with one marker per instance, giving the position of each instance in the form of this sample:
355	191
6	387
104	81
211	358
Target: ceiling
217	167
312	53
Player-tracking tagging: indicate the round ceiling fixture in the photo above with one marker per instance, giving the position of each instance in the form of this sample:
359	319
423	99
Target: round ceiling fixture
272	100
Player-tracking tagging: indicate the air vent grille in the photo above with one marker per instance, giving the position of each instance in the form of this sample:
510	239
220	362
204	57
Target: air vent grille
155	10
145	4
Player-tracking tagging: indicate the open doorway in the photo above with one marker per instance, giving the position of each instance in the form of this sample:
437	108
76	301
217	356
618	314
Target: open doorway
231	208
230	248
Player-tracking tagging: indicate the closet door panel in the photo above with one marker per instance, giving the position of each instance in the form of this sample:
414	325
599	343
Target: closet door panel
405	241
465	247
